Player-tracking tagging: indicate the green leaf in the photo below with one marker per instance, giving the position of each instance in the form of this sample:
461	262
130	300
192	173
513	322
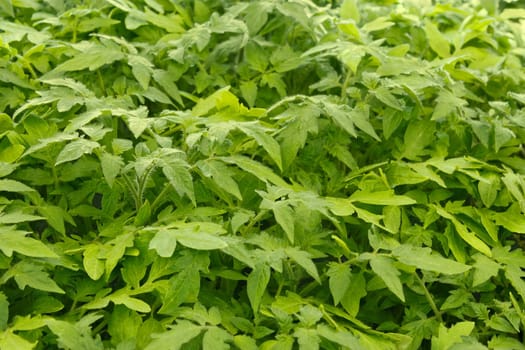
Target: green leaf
11	153
256	56
379	23
305	261
392	218
249	91
349	10
262	138
502	135
92	262
182	287
92	58
385	96
512	220
342	116
384	268
274	80
446	103
216	339
512	13
339	280
255	168
18	217
340	337
28	274
447	337
177	172
484	269
464	232
256	285
361	118
199	240
115	249
75	150
12	240
425	259
285	59
74	336
307	338
6	6
515	275
195	235
418	135
221	175
55	216
9	340
164	242
437	40
380	198
351	300
4	311
285	217
424	170
111	166
123	324
167	82
141	69
7	185
131	303
176	337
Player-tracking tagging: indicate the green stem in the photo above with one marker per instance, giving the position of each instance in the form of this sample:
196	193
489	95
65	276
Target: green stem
144	180
429	299
286	100
329	318
160	197
345	85
253	221
101	82
100	327
133	190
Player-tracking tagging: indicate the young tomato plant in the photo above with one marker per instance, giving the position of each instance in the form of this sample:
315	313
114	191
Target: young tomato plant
262	174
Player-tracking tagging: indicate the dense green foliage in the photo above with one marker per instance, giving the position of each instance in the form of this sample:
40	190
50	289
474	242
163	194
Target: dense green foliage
263	174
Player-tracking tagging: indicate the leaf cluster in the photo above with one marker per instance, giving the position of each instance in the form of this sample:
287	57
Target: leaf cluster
262	174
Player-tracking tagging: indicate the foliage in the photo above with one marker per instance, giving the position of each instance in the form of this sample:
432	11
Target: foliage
263	174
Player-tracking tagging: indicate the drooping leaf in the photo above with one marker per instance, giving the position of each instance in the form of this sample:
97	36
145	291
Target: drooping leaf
111	166
304	260
425	259
183	287
385	269
176	337
257	281
257	169
12	240
339	281
8	185
284	215
266	141
28	274
177	172
221	175
75	150
418	135
380	198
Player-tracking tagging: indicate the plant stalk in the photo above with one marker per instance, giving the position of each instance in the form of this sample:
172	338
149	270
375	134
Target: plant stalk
429	299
